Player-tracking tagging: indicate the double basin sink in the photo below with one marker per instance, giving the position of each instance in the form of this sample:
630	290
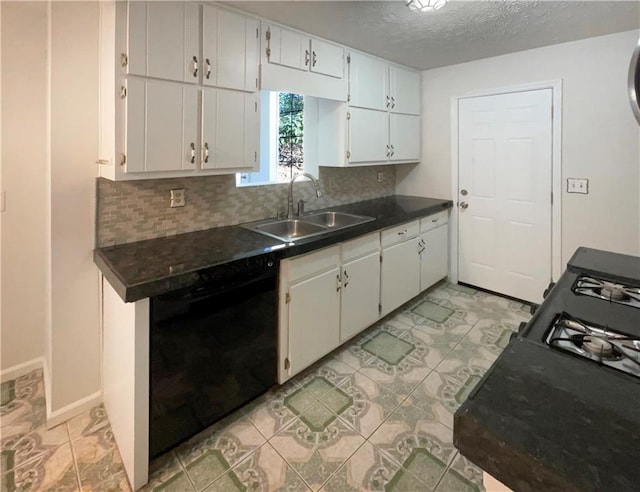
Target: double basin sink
307	226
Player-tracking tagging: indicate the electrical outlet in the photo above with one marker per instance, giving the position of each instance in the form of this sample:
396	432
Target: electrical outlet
380	176
578	185
177	198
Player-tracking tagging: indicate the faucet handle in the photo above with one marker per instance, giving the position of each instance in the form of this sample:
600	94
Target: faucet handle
301	203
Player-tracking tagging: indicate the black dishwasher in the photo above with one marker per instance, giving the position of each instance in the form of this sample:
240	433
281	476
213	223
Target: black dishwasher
212	348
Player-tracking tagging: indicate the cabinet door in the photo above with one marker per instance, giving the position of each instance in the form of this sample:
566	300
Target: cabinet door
405	91
163	40
229	49
327	58
360	295
400	275
314	319
404	137
161	126
230	129
367	82
288	48
434	260
368	135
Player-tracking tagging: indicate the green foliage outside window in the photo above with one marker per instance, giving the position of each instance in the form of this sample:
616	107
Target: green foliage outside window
291	129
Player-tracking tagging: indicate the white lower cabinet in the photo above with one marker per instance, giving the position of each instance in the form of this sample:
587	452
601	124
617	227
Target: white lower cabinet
434	256
400	275
314	319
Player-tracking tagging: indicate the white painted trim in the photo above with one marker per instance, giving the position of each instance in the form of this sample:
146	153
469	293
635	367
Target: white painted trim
73	409
18	370
556	170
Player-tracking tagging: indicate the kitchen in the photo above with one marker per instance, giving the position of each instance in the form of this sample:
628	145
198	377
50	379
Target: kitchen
52	262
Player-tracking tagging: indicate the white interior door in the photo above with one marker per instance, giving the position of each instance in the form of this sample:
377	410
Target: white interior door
504	192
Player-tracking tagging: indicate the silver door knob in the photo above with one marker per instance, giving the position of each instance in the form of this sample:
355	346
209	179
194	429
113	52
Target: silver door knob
463	192
464	205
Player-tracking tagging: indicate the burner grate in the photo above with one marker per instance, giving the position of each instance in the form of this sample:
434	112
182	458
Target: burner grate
608	290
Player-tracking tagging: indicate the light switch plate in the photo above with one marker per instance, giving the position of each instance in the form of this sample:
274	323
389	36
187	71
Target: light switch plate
177	198
578	185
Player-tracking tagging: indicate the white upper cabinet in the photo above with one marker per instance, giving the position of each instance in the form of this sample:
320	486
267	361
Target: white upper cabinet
368	136
164	40
327	58
404	91
161	130
229	50
404	137
367	82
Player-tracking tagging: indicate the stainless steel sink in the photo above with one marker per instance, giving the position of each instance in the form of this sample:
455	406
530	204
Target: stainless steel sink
335	220
310	225
289	230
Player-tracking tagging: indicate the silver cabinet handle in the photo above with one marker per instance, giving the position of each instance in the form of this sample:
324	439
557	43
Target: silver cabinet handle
195	66
346	276
206	152
434	220
393	102
208	72
388	101
337	282
193	153
393	150
388	151
313	64
306	57
402	233
464	205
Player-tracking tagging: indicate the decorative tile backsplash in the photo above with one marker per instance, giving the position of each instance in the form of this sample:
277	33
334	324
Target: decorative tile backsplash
131	211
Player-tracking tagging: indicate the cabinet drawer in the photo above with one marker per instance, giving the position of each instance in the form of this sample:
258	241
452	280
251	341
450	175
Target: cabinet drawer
360	247
311	264
400	233
433	221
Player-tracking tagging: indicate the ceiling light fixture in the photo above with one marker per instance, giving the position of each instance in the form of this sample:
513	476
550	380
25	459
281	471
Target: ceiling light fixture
425	5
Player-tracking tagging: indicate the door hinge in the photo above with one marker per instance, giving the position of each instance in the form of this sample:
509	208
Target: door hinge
287	298
124	59
380	258
379	308
255	157
123	159
348	97
123	92
348	116
268	52
257	33
348	155
348	58
268	34
255	104
287	364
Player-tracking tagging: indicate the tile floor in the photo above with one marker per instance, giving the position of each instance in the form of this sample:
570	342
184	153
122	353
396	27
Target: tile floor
375	415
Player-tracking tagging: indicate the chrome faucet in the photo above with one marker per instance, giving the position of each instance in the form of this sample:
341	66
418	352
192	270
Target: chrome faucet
290	197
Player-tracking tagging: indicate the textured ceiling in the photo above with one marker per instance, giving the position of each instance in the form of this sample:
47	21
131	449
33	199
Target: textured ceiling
461	31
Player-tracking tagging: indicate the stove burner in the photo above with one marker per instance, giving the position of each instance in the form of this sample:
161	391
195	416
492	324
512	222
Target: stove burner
598	346
607	290
613	291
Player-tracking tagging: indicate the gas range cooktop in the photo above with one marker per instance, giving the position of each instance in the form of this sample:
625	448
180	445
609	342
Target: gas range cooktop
593	312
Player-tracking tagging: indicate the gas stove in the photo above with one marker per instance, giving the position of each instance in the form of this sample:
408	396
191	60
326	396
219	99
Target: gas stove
593	313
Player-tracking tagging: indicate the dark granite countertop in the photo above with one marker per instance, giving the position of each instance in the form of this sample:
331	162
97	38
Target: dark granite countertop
545	420
156	266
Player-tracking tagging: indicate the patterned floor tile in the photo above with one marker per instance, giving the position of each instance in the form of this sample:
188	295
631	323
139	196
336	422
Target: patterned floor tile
17	449
166	474
97	457
462	476
325	376
22	403
263	471
279	407
211	453
420	445
51	471
316	444
88	422
368	470
439	393
115	483
367	404
491	336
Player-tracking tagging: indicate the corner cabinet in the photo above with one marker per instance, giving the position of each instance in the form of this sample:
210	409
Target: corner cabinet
178	90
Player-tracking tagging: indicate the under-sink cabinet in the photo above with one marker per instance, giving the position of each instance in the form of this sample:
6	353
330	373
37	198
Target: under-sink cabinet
434	249
326	297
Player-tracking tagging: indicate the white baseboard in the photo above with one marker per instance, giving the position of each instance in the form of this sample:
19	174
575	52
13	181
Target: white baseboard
21	369
76	408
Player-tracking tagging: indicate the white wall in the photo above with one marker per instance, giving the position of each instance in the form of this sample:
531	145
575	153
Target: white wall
50	144
601	140
24	178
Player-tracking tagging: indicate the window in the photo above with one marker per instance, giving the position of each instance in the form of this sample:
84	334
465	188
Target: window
281	139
